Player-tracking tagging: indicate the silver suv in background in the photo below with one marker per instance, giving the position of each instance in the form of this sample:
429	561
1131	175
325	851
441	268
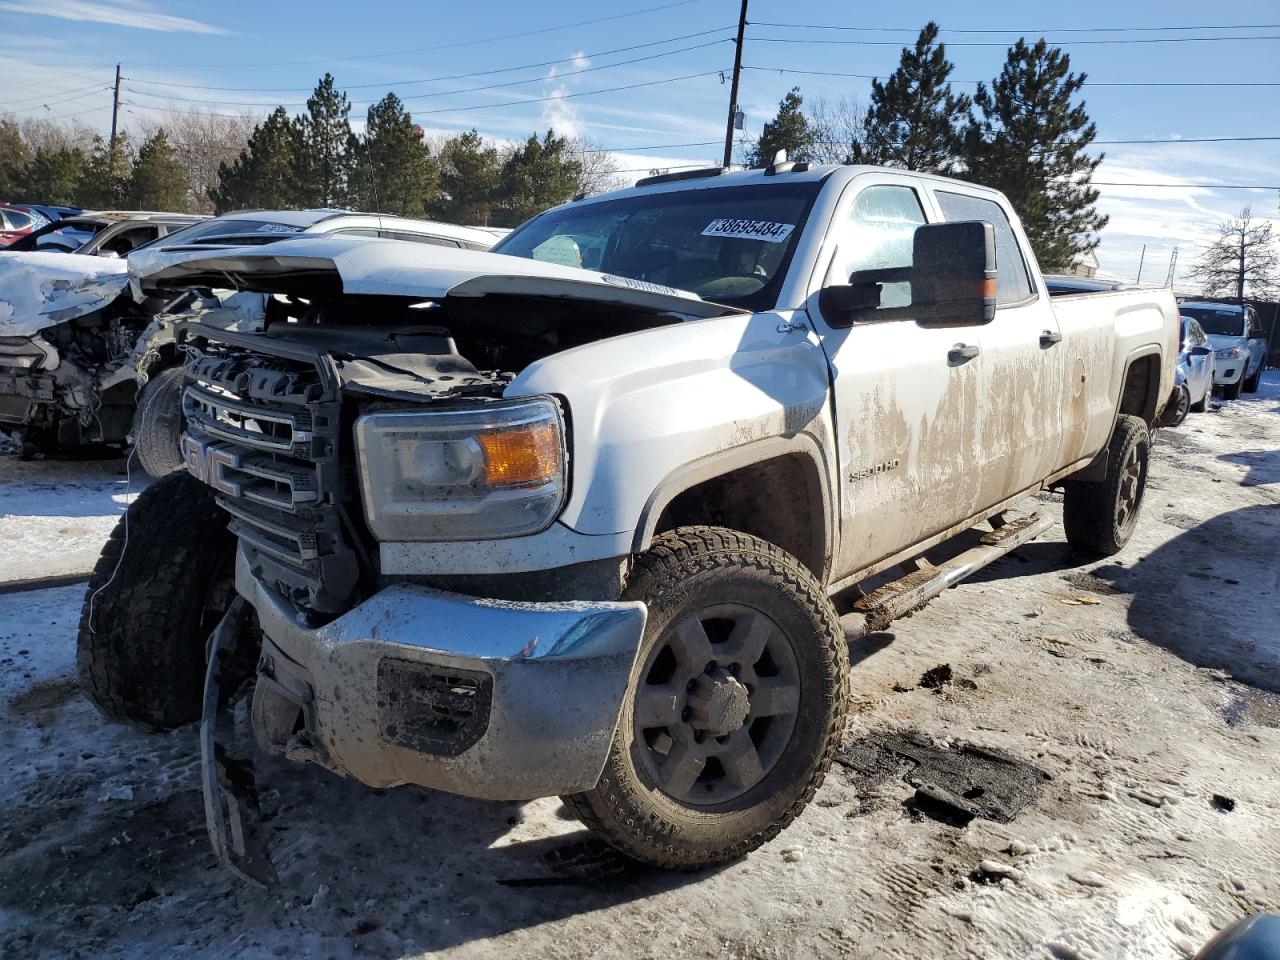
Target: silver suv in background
1239	343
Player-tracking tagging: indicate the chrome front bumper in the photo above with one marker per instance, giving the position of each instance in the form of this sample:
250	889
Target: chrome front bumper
484	698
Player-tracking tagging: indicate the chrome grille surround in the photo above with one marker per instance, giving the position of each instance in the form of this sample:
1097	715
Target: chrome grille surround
263	422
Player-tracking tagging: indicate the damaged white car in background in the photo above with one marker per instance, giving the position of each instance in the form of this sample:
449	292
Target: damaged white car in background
88	359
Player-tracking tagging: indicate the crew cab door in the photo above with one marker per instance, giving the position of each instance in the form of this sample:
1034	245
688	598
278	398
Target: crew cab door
905	396
1021	414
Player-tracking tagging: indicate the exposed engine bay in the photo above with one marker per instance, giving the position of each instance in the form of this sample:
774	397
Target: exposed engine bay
270	416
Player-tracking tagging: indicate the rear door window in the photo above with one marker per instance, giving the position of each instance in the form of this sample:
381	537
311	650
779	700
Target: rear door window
1013	283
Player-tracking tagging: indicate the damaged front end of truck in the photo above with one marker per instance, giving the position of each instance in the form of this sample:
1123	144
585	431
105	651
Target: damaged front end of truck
375	412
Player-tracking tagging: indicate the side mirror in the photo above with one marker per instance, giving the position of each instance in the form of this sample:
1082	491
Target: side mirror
953	280
1199	351
109	254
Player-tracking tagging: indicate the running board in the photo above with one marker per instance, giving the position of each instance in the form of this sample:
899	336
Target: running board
885	604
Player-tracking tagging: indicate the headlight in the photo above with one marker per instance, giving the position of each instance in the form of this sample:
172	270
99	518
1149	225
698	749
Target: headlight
472	473
1230	354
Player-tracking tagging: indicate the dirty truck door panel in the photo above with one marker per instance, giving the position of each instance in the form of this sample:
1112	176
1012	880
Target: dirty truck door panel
1020	417
904	401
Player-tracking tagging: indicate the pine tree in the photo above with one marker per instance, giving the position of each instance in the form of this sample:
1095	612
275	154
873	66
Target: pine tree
469	170
159	180
324	163
393	171
789	131
54	176
105	184
262	177
1029	140
538	175
1242	262
915	121
15	155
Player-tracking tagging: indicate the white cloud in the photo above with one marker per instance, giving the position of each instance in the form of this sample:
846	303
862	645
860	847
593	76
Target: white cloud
124	13
557	113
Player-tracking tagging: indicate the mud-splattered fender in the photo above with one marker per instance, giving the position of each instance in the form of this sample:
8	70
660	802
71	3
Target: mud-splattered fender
644	406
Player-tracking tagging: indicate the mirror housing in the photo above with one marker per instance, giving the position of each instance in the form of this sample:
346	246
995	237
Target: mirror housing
953	280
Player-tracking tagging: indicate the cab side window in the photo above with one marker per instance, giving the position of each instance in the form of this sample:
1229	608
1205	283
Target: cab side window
1012	281
878	234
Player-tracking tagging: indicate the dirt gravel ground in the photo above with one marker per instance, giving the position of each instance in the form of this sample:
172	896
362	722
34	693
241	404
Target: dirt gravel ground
1147	687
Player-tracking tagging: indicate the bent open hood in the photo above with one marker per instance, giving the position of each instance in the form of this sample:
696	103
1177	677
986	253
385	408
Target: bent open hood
39	290
313	266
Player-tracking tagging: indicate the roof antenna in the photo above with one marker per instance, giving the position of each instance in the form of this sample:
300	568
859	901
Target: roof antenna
782	165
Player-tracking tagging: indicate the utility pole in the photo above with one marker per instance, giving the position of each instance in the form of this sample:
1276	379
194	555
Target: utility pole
733	88
115	113
1140	262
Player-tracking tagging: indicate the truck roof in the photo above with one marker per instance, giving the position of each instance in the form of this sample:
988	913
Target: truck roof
804	172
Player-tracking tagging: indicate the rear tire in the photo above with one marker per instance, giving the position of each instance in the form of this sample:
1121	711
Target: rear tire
158	429
1100	516
163	581
1250	384
737	708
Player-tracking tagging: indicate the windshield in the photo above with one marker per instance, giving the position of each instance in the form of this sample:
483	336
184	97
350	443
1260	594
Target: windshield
58	237
728	244
1227	321
224	231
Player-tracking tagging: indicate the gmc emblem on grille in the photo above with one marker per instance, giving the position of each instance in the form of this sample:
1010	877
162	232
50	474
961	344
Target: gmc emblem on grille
207	461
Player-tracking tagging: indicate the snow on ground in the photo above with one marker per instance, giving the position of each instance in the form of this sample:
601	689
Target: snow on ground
1145	685
56	514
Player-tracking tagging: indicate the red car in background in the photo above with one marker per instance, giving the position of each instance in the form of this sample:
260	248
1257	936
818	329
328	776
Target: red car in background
16	221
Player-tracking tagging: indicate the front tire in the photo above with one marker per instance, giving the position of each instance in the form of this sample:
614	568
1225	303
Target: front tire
737	707
1100	516
1231	391
163	581
158	429
1179	406
1251	383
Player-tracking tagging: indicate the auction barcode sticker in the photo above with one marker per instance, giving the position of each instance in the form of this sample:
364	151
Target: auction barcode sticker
765	230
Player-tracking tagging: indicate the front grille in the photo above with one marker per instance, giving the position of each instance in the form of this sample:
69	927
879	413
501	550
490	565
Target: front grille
263	429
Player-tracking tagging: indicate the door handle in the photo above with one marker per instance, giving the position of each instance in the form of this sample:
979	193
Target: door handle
962	353
1049	337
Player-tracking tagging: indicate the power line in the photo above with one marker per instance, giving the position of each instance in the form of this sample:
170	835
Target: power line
442	93
46	95
452	76
1087	83
1193	140
441	46
829	26
568	96
482	106
1000	43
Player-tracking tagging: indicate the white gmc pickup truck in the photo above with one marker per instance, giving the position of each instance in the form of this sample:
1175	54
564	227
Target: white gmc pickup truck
592	514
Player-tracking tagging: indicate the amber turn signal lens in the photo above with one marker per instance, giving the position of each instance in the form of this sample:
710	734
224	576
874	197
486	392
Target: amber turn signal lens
518	457
989	289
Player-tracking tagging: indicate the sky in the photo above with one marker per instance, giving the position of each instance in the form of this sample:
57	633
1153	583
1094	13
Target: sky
511	68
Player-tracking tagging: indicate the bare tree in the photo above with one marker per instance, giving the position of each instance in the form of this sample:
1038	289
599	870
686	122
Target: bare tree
1242	261
49	135
838	129
599	168
204	141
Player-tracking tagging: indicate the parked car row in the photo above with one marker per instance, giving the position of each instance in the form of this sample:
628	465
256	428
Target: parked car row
87	358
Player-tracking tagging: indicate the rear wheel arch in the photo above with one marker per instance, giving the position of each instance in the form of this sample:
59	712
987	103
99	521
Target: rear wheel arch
775	489
1140	390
